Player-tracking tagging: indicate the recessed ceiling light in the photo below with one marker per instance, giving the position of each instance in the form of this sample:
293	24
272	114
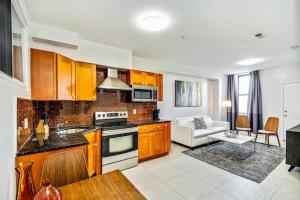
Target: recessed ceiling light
250	61
153	21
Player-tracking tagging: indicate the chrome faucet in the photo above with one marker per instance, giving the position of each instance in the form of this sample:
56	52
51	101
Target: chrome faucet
59	125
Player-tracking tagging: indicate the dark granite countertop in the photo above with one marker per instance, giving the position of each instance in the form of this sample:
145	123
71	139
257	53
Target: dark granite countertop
145	122
295	129
56	141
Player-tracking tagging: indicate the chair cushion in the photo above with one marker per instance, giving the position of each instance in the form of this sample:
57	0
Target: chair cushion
266	132
200	123
243	129
199	133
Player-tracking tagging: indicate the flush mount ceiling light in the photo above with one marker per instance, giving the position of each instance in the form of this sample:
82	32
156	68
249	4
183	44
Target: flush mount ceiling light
250	61
153	21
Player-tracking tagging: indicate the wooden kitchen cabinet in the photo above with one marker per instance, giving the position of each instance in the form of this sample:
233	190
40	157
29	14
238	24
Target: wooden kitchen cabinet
159	85
157	142
38	161
167	135
136	77
93	153
56	77
85	81
65	78
150	79
144	145
154	140
43	75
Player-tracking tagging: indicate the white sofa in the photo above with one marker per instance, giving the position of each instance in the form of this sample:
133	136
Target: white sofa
184	132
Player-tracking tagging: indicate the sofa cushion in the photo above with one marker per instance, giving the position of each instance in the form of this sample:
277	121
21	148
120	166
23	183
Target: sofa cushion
217	129
200	123
187	122
208	120
199	133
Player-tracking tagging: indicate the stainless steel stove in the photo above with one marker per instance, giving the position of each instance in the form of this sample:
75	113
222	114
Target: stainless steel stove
119	140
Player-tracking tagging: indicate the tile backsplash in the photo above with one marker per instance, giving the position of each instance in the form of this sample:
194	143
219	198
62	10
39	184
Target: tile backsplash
25	110
73	113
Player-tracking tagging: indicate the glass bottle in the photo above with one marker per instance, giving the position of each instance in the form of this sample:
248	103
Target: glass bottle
25	189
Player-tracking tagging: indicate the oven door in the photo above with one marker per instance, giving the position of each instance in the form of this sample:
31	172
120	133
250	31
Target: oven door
121	141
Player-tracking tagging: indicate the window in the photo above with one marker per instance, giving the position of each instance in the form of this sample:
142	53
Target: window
243	92
17	45
12	47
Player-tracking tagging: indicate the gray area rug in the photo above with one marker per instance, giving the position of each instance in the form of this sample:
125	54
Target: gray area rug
256	167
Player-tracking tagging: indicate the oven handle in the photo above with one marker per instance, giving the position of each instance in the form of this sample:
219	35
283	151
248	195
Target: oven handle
119	131
105	137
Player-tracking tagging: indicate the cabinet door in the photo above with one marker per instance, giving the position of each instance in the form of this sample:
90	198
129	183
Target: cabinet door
43	75
65	78
92	155
167	134
137	77
159	84
157	142
144	145
85	81
150	79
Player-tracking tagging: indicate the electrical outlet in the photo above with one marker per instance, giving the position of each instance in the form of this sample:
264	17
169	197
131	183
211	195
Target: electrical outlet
26	123
134	111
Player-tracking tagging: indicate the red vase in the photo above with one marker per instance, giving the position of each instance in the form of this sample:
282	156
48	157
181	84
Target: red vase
48	192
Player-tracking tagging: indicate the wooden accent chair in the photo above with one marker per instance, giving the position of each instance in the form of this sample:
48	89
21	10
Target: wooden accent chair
271	128
243	124
65	168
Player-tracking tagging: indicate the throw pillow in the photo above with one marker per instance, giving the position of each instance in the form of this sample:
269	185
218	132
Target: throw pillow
200	123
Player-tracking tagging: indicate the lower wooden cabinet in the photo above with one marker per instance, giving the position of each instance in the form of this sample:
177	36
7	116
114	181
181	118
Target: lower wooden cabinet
154	140
144	145
38	161
93	153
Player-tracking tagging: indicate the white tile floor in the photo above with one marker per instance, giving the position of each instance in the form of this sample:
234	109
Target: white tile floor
180	177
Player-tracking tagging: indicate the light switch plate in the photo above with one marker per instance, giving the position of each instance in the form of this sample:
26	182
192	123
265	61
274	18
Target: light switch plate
26	123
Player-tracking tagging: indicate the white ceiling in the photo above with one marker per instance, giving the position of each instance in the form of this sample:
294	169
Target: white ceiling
218	33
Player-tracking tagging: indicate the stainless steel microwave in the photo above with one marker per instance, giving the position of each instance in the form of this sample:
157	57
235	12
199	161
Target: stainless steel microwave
143	93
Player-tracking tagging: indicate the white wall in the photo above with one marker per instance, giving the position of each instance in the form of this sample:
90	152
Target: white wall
10	89
167	107
214	85
87	51
272	80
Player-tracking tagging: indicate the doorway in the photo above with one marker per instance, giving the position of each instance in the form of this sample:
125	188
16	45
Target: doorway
291	105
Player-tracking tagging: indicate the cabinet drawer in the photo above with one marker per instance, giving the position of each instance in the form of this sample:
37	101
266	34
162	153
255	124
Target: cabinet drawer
150	127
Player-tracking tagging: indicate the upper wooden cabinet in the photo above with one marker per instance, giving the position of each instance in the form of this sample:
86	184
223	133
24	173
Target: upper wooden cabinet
43	75
159	84
150	79
85	81
56	77
136	77
65	78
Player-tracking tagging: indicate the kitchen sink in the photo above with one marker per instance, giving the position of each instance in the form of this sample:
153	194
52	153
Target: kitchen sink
70	131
